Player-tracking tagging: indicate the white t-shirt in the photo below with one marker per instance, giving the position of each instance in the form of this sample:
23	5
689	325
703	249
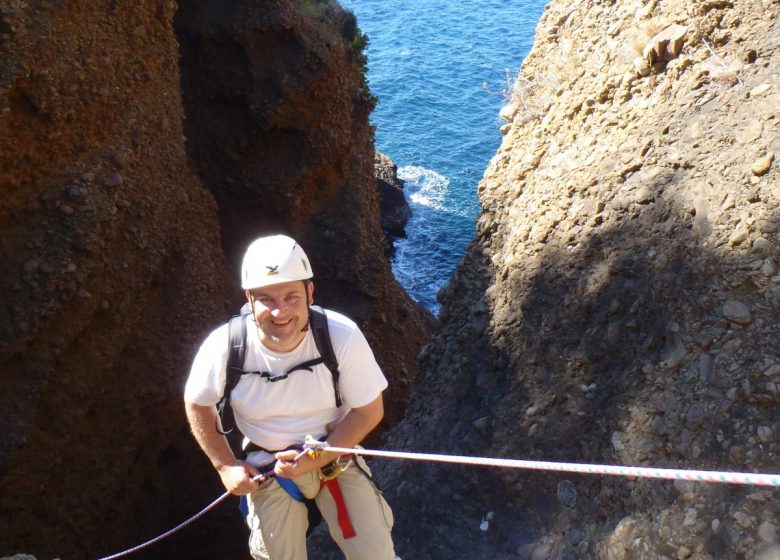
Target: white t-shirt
276	415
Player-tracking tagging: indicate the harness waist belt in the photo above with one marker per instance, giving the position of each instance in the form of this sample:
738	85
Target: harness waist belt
252	447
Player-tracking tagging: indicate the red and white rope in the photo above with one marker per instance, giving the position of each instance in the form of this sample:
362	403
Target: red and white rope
614	470
756	479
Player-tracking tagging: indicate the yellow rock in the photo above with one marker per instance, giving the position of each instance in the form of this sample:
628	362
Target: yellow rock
762	165
760	89
665	45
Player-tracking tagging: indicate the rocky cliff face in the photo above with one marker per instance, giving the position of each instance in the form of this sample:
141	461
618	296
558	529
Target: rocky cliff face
619	304
120	242
394	208
108	239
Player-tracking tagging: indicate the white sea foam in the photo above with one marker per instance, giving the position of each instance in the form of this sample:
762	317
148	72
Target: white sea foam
424	186
429	188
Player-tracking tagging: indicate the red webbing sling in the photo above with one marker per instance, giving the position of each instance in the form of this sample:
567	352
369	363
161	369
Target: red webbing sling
347	530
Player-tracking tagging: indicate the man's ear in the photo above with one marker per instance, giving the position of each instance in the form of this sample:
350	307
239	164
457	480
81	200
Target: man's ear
249	298
310	295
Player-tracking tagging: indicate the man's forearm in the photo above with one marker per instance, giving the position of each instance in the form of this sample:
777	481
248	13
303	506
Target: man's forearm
203	421
357	424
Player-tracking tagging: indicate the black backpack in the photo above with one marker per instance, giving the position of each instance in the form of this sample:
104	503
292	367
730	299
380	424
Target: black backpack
318	323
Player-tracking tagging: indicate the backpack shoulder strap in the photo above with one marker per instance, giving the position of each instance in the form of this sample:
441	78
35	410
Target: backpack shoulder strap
318	322
235	363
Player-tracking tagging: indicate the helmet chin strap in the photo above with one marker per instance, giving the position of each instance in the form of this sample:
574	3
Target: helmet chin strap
309	302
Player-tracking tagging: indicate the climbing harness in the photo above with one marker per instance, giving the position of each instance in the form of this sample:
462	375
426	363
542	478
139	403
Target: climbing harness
287	485
314	447
328	478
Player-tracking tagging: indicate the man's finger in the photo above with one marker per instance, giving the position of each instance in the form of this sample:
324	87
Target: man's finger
286	455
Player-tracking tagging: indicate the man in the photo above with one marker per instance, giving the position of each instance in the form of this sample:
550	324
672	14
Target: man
276	410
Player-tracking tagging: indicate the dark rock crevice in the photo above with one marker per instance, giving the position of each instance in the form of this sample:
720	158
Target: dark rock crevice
120	246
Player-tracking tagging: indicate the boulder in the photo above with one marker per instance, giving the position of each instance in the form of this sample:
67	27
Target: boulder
393	206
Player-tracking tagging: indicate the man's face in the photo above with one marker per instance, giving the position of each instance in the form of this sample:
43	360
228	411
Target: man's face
282	313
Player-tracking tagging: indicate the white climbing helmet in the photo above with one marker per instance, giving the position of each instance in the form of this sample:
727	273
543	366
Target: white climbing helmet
273	260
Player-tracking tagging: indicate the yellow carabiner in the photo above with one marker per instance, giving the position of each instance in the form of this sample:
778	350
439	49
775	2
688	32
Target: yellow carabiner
314	448
330	471
334	469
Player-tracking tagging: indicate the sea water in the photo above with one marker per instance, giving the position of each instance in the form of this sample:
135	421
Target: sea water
440	70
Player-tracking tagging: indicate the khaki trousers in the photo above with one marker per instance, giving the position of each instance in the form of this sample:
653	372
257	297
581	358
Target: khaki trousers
278	523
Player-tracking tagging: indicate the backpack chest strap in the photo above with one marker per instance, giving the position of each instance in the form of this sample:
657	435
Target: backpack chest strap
235	374
270	378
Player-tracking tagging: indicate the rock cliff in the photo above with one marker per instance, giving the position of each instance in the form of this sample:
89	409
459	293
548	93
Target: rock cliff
394	208
138	157
619	303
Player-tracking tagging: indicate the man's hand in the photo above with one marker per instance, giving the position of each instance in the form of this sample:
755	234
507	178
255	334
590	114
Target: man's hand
238	477
286	468
349	432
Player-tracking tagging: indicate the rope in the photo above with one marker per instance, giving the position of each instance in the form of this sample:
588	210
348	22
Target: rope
615	470
198	515
182	525
312	446
265	475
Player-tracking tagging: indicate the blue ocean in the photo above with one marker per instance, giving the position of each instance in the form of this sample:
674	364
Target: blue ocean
439	69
